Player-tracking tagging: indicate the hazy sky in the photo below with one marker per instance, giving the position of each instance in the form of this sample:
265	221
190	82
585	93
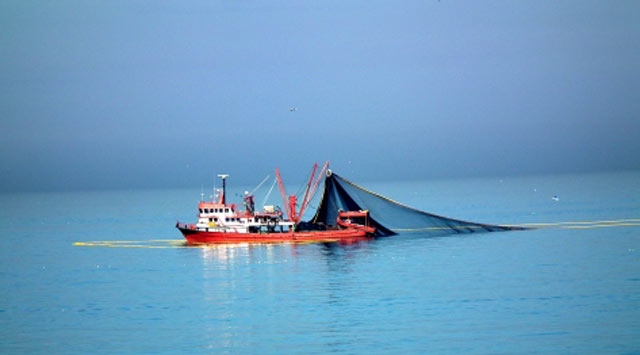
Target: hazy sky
107	94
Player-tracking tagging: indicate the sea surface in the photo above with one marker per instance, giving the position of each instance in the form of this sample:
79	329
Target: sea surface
107	272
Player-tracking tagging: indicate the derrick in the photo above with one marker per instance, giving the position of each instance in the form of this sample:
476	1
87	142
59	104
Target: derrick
291	202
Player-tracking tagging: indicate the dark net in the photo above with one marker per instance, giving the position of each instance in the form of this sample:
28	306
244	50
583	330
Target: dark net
387	216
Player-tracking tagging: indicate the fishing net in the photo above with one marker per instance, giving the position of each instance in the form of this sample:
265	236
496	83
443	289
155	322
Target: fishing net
387	216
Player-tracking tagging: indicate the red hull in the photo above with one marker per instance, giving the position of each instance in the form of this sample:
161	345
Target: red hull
195	237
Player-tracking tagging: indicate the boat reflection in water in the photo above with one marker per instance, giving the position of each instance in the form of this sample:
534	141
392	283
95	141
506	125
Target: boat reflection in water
249	290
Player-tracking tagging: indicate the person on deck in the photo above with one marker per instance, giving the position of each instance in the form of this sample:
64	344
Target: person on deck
248	202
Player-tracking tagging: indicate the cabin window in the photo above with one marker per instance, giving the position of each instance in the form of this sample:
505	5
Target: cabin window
200	210
210	219
226	210
215	219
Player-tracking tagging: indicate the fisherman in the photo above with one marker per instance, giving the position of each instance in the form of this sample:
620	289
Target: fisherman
248	202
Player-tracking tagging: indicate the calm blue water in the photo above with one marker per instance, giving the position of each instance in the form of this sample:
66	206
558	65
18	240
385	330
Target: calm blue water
550	290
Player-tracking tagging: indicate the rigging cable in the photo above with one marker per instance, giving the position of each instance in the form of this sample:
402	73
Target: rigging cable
269	193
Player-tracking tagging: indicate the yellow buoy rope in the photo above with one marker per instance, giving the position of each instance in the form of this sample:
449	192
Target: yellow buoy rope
180	243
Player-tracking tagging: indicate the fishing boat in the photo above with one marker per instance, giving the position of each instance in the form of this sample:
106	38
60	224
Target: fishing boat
221	223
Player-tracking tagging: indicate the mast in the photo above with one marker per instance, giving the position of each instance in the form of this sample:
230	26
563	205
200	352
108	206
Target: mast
224	187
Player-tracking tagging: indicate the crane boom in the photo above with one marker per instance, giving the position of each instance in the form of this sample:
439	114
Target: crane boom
306	191
311	191
284	195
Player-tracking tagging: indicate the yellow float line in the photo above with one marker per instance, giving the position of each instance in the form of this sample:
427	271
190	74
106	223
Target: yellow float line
151	244
631	222
178	243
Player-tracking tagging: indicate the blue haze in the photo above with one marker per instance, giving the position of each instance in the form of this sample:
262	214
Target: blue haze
103	101
112	94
